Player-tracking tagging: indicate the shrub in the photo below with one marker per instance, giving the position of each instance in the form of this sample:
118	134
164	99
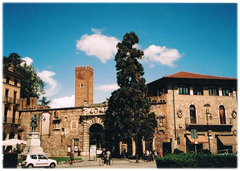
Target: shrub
177	151
196	161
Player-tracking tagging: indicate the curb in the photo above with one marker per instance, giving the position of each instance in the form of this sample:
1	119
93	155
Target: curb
75	161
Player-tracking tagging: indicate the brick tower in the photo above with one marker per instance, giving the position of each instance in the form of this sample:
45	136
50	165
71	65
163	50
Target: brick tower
83	85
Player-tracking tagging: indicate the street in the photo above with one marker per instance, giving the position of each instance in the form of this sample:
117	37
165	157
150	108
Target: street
118	164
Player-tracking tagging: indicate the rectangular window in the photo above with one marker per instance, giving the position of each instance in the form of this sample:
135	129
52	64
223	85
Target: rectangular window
213	90
226	90
15	82
15	97
7	79
183	89
197	90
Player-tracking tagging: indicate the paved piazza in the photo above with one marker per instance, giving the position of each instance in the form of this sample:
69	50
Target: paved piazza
117	163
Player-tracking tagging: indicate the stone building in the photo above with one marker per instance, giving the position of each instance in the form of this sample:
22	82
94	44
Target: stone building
178	101
63	129
11	102
184	102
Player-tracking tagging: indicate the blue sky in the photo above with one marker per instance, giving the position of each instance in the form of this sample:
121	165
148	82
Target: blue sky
55	38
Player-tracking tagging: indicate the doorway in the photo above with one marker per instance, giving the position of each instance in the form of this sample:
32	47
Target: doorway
95	135
167	148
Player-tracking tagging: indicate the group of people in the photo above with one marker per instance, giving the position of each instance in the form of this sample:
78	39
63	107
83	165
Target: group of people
150	155
106	156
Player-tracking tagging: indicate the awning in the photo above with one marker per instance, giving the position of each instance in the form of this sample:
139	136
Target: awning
228	140
13	142
201	139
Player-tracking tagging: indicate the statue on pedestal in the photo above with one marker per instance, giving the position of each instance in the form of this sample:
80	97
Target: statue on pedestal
34	122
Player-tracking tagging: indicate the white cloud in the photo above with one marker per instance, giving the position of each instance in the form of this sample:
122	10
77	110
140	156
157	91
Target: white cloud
137	46
110	87
52	85
63	102
162	55
101	46
27	60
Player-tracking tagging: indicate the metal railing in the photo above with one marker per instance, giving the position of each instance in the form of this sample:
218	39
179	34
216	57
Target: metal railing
213	121
11	121
11	100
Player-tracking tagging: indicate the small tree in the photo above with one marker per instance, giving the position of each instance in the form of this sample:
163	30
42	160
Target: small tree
44	101
128	110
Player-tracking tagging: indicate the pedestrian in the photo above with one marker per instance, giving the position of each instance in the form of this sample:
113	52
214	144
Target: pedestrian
104	154
71	157
150	155
147	155
159	153
124	153
108	157
155	154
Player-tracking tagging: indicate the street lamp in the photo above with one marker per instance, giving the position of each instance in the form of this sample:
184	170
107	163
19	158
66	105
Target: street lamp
210	116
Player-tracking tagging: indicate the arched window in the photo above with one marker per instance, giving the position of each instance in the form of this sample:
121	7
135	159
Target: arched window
192	111
222	115
4	135
12	135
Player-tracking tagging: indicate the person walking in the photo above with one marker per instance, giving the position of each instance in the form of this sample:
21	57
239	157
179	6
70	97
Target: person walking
108	157
104	154
159	153
71	157
147	155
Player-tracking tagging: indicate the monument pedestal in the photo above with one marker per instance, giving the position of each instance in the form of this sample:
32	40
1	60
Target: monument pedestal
33	144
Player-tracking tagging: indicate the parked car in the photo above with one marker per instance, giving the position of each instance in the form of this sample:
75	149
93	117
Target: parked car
37	160
225	152
204	151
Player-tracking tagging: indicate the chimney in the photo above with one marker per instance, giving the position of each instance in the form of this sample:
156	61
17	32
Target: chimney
10	67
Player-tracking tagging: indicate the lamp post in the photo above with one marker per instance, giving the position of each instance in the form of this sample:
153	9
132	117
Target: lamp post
210	116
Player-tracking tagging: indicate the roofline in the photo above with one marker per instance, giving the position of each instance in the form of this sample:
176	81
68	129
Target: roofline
13	73
213	77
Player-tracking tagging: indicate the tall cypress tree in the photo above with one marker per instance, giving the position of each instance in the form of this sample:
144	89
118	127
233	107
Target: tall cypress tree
128	110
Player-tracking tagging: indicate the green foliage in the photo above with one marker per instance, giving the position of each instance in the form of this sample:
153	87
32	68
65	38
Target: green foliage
31	84
129	104
177	151
60	159
44	101
196	161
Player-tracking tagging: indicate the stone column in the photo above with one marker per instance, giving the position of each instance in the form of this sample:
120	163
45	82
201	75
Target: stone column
85	140
133	147
143	145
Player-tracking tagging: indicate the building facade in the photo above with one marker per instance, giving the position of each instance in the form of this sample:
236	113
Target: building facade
185	102
11	102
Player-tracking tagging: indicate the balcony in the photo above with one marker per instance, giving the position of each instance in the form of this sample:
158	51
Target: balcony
201	124
10	100
11	121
